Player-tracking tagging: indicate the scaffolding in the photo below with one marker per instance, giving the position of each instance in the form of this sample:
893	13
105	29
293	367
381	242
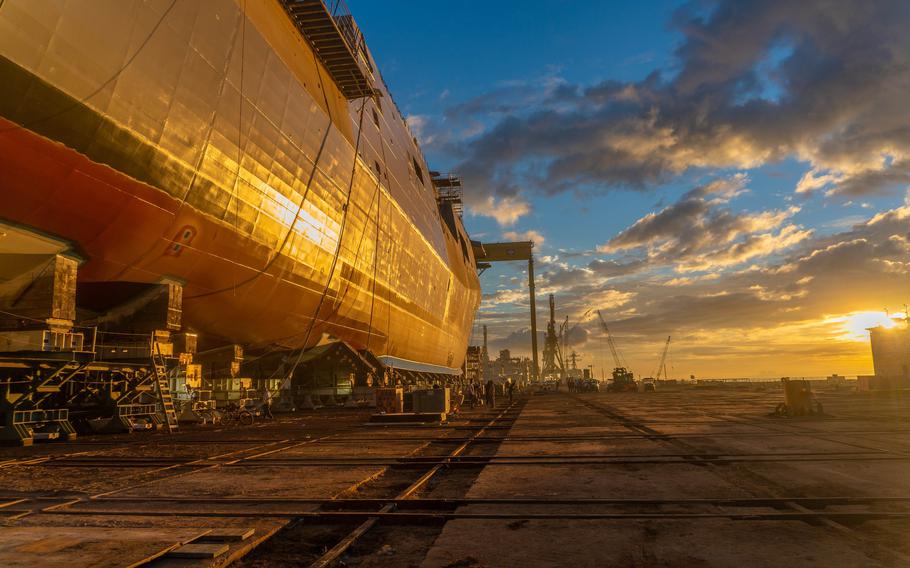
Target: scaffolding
449	191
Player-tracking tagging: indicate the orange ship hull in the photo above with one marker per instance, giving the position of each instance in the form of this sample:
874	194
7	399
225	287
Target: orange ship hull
253	270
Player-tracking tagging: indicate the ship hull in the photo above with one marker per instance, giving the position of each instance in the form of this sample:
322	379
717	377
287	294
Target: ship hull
264	242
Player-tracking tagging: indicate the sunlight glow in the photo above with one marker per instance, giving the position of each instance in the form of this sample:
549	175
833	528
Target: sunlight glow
854	325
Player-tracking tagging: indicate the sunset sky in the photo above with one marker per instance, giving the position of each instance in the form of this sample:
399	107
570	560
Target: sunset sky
731	173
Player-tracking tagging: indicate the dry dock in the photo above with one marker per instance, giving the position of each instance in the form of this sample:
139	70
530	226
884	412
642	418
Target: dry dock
691	477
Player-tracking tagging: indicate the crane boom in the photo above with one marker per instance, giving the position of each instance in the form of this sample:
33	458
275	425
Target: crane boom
662	366
610	342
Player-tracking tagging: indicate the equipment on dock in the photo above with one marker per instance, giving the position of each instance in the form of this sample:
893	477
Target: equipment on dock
798	399
623	378
390	400
431	400
111	372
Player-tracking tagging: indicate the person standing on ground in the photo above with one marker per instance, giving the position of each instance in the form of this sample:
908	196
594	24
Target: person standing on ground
510	386
469	393
267	403
491	394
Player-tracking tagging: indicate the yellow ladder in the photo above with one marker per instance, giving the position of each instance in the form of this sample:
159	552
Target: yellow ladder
162	385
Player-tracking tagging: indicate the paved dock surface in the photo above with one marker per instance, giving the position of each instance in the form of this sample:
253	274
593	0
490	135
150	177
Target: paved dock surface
690	445
684	477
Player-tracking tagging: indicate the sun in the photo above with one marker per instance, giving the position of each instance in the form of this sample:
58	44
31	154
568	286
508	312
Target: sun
854	325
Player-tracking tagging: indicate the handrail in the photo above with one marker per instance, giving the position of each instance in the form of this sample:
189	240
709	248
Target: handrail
344	20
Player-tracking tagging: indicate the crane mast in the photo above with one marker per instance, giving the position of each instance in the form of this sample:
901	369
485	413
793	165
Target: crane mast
603	323
662	366
623	379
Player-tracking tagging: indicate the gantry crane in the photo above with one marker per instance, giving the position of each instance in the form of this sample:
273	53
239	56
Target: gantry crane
623	379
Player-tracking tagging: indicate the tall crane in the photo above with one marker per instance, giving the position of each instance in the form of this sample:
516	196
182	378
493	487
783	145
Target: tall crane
561	353
603	324
552	358
662	366
623	379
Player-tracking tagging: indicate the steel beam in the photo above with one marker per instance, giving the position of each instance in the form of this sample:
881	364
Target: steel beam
485	253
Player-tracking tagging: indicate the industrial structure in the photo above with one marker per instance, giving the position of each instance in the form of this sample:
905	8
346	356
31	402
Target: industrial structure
890	358
553	366
518	369
485	253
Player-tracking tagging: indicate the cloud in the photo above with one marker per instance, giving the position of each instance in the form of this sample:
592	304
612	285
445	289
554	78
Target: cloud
506	210
506	297
418	125
612	268
519	341
529	235
751	247
814	180
699	232
771	318
752	81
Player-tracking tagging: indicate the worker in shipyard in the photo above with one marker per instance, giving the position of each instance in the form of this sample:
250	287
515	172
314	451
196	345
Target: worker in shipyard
470	394
267	403
491	394
510	388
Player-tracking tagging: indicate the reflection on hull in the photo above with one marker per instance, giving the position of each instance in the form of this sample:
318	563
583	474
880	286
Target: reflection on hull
222	156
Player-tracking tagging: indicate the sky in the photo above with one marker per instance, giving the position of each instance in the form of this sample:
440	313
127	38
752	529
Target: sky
733	174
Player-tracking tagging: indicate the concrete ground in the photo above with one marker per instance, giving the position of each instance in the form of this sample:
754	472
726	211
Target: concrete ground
859	450
716	445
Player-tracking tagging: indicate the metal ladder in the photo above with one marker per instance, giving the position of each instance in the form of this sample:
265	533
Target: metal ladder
162	385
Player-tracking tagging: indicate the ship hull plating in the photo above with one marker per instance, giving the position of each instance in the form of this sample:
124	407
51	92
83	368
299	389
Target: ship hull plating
207	145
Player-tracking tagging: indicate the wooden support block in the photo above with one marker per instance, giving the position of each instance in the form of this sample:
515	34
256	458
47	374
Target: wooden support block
198	551
226	535
408	418
45	291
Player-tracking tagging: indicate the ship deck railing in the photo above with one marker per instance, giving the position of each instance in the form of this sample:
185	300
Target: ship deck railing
330	28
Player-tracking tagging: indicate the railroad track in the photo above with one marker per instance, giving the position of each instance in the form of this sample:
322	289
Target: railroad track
399	491
259	452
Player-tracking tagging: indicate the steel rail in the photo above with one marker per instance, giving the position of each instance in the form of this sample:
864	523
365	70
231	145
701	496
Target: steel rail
388	512
434	502
556	459
336	551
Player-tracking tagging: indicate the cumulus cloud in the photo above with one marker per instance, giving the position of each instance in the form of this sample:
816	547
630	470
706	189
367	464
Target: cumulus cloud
821	84
752	246
864	268
519	341
755	81
787	310
529	235
418	125
699	232
505	210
